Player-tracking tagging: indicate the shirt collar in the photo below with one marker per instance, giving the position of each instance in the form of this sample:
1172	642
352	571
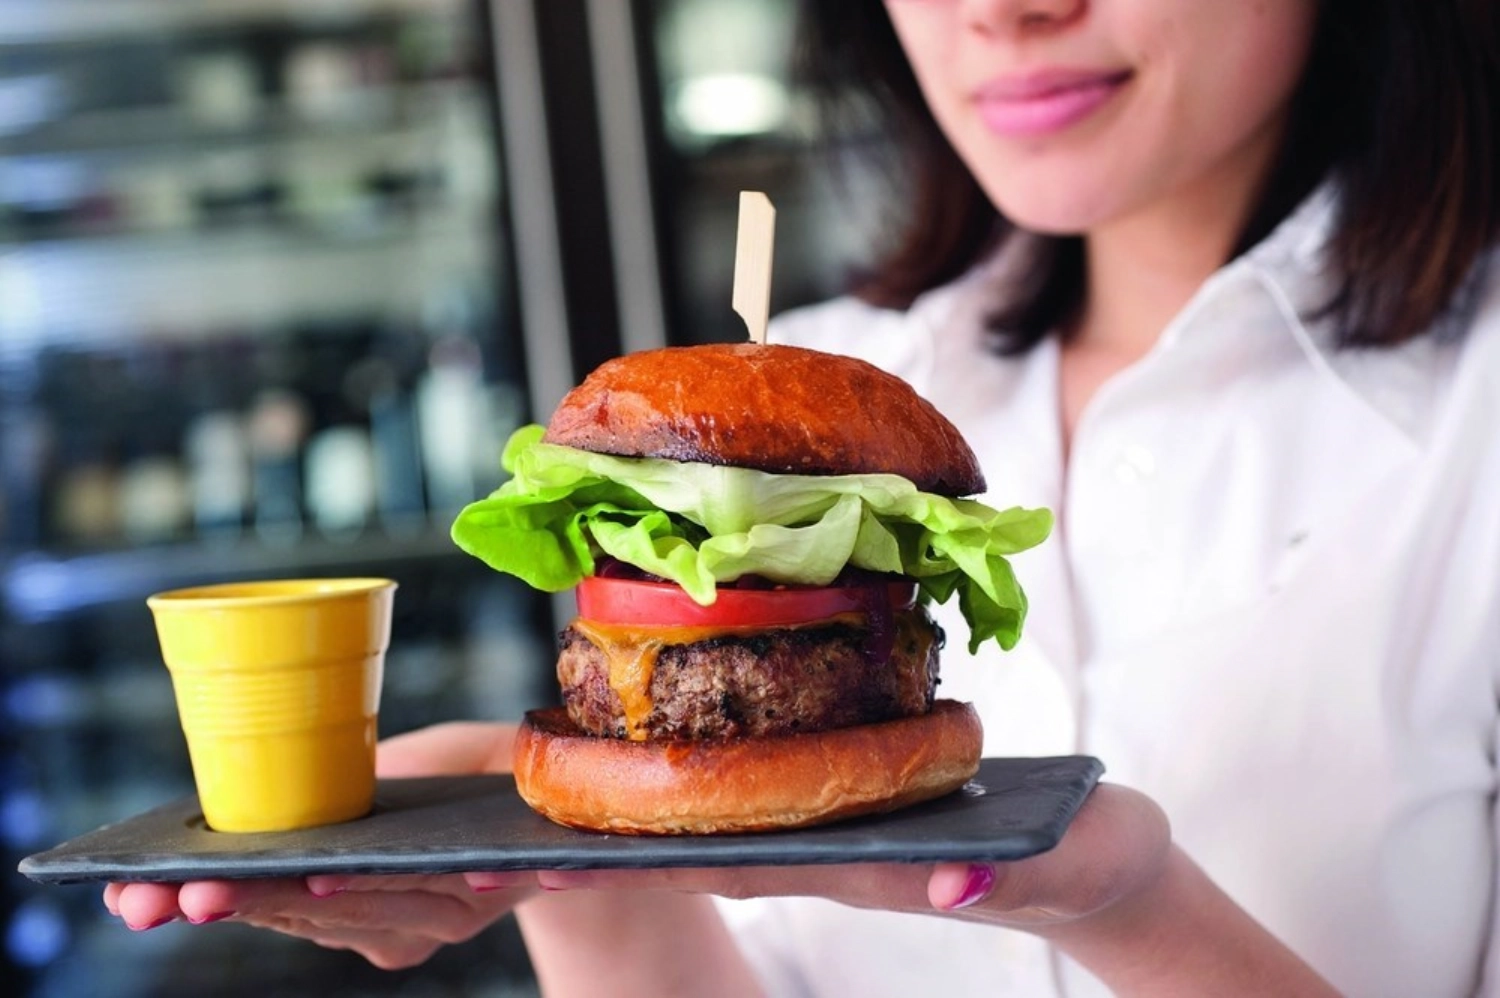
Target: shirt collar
1290	272
1293	267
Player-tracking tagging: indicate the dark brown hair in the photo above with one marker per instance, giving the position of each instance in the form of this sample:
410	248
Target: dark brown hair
1399	104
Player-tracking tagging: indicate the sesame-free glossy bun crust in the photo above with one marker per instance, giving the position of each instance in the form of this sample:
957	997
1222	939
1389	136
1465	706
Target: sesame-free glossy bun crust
781	409
718	786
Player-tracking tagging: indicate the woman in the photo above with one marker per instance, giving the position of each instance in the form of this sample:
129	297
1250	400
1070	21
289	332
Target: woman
1210	281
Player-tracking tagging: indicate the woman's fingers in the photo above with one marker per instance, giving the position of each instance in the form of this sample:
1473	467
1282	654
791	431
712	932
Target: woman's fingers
143	906
893	886
455	884
214	900
148	905
439	915
441	908
387	950
393	922
954	886
1118	842
482	883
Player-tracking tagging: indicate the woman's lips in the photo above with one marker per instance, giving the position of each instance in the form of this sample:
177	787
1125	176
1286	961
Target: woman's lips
1041	103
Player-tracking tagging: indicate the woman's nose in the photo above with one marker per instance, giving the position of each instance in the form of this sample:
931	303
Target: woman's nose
1000	17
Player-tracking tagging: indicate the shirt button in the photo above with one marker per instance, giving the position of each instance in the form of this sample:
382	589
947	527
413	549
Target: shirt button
1135	464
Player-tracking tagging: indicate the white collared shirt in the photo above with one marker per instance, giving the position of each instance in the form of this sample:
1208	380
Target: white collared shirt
1272	603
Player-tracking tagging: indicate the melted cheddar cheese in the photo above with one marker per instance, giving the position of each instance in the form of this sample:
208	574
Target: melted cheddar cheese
631	652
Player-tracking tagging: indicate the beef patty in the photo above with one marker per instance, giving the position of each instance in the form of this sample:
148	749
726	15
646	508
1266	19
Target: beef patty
771	682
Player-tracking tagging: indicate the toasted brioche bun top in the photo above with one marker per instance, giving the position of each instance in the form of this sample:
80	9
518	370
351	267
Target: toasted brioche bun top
780	409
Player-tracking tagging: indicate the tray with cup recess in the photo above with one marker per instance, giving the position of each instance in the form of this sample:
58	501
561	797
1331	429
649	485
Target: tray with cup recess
1013	808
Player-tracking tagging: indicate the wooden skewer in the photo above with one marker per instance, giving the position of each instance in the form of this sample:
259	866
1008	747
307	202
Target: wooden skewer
752	262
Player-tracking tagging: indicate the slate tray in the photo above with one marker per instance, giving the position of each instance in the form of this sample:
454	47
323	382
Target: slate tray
1012	809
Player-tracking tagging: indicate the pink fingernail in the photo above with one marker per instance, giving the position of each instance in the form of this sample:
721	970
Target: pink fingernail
325	888
151	925
217	916
977	886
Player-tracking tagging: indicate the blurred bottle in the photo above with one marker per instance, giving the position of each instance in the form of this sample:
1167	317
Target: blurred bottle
373	389
465	162
340	466
326	191
219	90
278	426
25	439
218	456
398	461
321	81
154	197
450	408
153	498
85	501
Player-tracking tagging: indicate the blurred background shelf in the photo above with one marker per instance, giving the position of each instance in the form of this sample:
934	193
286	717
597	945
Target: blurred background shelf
31	22
43	586
78	249
257	319
400	113
148	286
277	280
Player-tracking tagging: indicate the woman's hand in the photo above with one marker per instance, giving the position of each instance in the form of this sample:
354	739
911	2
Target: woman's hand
394	922
391	921
1117	845
1115	894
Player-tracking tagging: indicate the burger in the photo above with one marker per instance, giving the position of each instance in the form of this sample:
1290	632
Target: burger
755	533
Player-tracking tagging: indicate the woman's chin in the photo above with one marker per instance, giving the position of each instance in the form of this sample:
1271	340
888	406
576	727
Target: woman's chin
1050	208
1049	219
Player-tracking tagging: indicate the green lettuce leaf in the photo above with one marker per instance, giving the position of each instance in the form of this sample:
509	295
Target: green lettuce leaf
700	525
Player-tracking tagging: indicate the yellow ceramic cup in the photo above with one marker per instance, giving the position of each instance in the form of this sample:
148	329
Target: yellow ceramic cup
278	689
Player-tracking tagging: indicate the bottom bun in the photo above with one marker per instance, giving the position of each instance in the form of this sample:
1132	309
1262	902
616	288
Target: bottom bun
742	784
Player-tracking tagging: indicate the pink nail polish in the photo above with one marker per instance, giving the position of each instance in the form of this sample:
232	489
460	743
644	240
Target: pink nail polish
977	886
217	916
151	925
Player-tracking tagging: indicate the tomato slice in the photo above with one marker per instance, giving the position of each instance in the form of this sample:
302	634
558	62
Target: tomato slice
664	604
